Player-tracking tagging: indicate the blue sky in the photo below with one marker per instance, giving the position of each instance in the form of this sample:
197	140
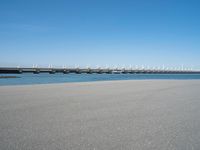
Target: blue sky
100	32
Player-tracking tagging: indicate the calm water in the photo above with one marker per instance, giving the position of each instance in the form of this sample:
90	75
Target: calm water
45	78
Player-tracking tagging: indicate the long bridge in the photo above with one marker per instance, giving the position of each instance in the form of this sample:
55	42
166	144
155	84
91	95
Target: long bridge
37	70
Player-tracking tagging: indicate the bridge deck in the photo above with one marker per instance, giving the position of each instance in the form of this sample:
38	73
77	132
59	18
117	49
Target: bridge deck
5	70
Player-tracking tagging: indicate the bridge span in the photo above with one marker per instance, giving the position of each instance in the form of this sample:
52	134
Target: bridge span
17	70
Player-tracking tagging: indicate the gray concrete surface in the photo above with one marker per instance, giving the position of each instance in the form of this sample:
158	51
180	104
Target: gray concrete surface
118	115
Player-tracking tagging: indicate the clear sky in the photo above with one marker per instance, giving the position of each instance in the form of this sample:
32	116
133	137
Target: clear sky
100	32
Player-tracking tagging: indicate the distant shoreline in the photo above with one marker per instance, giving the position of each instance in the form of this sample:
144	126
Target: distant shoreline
8	77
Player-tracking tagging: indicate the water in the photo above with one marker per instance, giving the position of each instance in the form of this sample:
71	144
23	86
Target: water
44	78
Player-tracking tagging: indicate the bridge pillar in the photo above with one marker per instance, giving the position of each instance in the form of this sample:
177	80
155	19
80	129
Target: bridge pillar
77	71
99	71
89	71
19	71
108	71
52	71
65	71
124	71
36	71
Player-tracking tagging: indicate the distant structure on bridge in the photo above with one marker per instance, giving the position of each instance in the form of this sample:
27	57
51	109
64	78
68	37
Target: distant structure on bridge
36	70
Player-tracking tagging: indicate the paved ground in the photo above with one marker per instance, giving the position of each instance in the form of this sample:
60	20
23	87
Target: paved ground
139	115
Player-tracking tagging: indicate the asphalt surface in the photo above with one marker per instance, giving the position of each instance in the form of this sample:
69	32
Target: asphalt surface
117	115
